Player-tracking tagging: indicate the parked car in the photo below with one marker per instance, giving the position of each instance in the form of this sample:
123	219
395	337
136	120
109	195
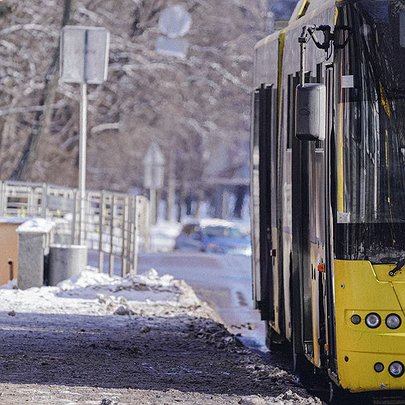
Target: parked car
213	236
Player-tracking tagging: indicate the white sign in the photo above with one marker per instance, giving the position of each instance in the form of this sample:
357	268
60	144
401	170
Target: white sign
348	82
84	54
172	46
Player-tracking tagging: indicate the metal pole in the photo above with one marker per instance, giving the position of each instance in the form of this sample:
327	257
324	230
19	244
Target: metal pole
74	220
101	230
130	235
303	46
153	213
82	158
138	213
44	198
124	235
171	186
112	258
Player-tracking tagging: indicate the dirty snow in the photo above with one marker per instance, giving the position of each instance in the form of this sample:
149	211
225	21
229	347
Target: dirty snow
96	339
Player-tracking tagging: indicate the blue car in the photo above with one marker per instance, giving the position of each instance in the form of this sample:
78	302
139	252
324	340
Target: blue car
213	236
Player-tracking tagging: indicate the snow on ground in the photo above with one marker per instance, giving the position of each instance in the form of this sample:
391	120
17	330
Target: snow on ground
163	235
145	339
80	294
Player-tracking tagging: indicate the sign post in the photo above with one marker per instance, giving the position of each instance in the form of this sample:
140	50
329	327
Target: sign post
83	60
82	158
153	180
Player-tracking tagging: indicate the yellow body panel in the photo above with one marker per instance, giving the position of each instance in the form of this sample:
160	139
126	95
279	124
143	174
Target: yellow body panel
303	9
361	288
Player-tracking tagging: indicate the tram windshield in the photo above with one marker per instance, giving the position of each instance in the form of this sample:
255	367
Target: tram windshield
370	130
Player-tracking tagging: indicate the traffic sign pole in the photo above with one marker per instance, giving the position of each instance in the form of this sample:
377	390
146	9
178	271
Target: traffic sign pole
83	60
82	160
153	213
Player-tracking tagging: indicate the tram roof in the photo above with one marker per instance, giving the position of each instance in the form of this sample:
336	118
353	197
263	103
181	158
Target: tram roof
306	6
303	8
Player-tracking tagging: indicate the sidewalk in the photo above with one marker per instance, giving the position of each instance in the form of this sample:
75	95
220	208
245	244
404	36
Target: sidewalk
143	340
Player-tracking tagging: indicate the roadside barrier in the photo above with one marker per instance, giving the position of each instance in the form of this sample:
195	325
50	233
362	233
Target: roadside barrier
115	226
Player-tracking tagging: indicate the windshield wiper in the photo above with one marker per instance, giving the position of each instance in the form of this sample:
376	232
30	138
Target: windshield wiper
397	268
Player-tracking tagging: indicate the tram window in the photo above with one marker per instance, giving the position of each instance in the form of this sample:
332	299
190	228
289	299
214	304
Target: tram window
293	82
255	132
263	127
319	73
319	79
290	115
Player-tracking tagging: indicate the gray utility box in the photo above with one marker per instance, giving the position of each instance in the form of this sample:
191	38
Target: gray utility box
33	246
310	124
66	261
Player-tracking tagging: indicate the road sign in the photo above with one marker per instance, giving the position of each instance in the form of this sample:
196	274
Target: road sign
172	46
153	163
84	54
175	21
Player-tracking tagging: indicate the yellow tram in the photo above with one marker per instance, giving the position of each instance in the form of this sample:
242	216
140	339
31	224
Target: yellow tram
328	190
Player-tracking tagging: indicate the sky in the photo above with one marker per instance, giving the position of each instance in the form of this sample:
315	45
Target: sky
282	9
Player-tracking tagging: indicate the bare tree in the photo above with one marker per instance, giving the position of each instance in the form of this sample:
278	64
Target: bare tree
192	107
43	116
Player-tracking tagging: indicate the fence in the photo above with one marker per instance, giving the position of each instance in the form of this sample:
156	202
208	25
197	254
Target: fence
115	225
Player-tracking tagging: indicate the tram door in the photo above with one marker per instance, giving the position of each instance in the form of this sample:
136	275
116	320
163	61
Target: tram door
262	192
301	263
317	227
309	230
308	173
328	332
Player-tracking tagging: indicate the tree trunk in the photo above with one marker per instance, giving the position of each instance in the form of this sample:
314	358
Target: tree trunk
43	118
171	186
180	202
240	193
200	197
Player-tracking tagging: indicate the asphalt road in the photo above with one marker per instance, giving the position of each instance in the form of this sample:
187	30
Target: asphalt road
224	281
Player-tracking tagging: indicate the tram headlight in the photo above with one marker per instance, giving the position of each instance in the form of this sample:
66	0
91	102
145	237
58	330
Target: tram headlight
373	320
356	319
396	369
393	321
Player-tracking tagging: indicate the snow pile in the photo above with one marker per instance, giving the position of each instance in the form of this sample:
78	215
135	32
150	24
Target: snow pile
292	398
36	225
287	398
95	293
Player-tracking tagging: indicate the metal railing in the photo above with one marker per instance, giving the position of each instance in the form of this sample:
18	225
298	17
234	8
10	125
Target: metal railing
115	226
